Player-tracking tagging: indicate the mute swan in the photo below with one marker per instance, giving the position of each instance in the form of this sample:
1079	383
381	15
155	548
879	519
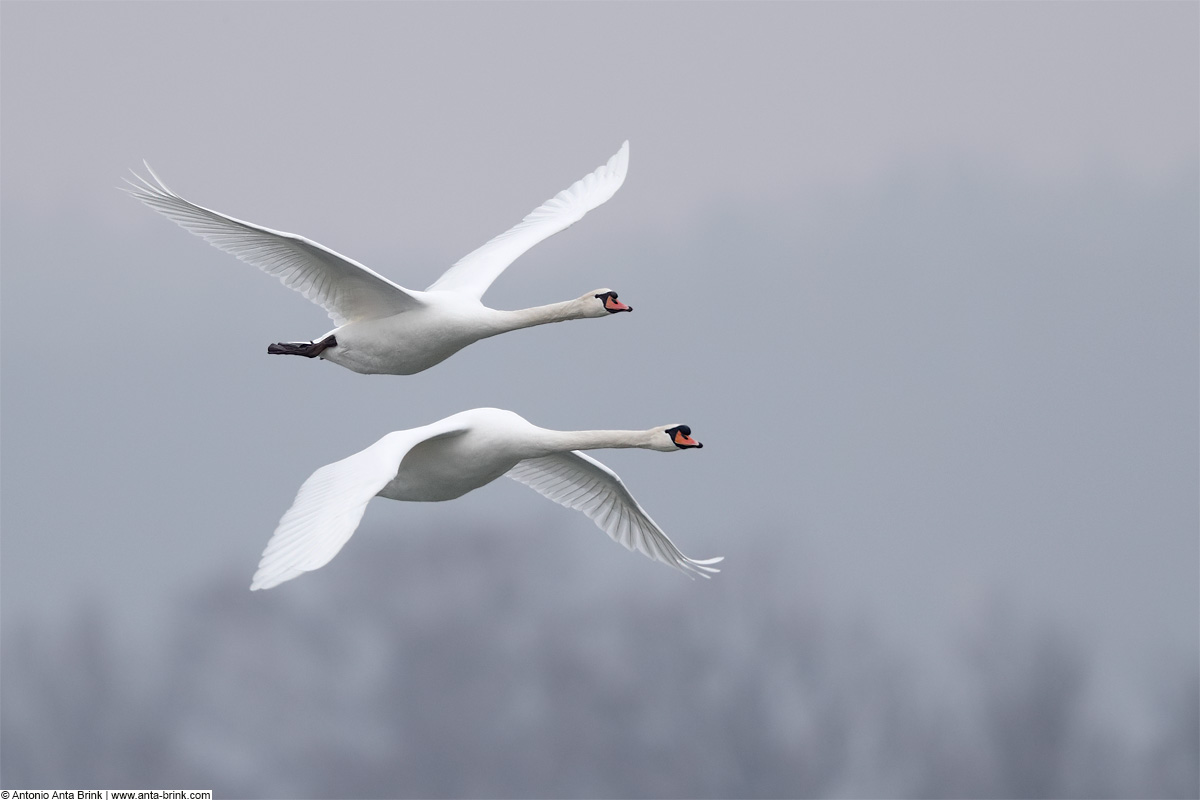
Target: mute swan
452	456
383	328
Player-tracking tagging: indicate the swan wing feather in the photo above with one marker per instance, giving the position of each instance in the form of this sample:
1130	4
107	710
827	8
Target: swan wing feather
578	481
474	273
347	290
331	503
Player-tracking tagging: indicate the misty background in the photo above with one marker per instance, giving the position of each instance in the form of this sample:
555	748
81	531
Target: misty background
922	277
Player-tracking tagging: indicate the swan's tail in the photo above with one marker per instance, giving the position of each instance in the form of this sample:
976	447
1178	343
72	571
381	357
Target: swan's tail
306	349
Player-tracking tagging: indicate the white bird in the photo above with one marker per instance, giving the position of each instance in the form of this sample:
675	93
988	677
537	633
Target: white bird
382	327
450	457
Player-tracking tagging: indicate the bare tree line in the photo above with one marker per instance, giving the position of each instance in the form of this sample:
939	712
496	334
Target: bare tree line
450	670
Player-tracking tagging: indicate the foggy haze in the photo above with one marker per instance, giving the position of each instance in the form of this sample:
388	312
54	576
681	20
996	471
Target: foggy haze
922	277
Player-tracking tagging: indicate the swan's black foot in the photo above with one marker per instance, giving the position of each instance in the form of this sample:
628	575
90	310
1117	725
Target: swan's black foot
306	349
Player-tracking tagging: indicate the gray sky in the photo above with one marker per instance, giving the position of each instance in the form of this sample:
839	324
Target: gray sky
923	278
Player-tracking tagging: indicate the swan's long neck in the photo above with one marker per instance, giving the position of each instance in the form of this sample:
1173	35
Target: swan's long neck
504	321
561	441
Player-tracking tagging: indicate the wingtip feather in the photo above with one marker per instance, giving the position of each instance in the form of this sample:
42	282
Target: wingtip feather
154	175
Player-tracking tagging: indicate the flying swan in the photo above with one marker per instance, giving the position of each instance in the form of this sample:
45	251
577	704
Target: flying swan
452	456
383	328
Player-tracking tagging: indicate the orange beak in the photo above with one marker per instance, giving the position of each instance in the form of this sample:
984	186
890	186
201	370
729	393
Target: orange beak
686	441
613	304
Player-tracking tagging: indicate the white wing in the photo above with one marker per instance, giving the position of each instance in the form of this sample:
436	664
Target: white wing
330	504
474	272
579	481
343	287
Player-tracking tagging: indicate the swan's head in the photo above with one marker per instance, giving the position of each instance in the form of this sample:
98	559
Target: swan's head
677	437
604	301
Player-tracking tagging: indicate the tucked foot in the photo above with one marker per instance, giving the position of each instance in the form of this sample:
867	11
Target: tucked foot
306	349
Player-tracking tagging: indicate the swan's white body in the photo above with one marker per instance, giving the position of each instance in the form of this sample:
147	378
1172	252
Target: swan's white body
444	323
383	327
449	458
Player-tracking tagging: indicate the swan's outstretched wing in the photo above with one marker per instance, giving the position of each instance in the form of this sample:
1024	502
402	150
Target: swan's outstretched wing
474	272
346	289
330	504
578	481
